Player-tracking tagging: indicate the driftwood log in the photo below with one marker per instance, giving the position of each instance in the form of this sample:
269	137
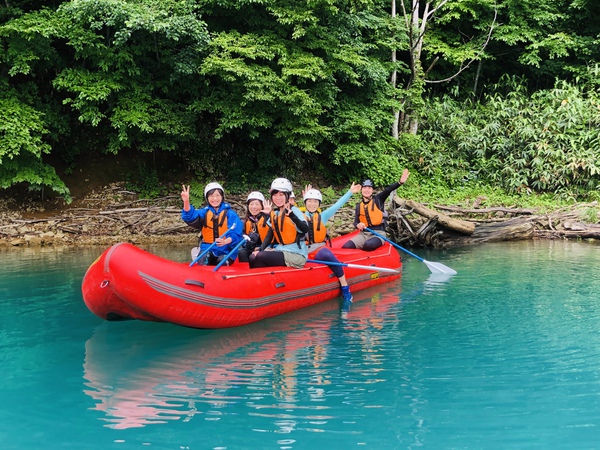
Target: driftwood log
461	226
449	226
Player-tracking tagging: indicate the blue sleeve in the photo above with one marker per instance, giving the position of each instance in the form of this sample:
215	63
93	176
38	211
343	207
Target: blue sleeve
238	231
329	212
194	216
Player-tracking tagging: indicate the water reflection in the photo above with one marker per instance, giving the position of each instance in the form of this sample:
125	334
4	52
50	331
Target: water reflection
142	373
507	349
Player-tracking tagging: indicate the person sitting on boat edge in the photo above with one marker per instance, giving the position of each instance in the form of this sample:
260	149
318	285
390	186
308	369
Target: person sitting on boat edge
370	212
213	220
287	228
256	223
317	233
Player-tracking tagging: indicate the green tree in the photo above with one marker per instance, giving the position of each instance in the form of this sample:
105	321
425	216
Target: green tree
301	84
545	39
545	141
105	74
275	84
22	146
448	33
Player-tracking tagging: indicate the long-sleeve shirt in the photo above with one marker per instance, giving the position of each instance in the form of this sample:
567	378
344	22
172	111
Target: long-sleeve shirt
328	214
379	200
195	218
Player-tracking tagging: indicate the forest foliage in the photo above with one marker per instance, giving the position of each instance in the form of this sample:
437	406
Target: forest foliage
503	92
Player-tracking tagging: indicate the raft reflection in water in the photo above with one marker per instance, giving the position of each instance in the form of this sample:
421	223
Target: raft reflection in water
140	376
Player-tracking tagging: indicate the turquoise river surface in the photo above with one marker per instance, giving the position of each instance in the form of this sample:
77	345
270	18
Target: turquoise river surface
504	355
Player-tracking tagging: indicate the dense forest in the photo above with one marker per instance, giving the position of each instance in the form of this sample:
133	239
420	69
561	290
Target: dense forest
496	92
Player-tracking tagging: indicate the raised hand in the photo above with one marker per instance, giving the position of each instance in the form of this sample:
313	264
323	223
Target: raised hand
307	188
268	206
185	193
404	176
355	188
185	196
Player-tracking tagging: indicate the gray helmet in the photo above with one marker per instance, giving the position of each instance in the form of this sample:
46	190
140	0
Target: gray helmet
367	182
282	185
255	195
314	194
212	186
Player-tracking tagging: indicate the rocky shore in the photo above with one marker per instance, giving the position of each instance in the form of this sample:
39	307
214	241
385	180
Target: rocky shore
111	214
102	217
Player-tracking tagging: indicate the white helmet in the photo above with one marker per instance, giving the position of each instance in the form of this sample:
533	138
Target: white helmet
281	184
255	195
314	194
210	186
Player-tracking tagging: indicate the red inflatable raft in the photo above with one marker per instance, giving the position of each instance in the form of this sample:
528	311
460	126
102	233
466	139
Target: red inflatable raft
126	282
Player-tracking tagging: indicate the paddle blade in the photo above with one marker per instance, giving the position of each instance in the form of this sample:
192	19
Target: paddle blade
437	267
437	279
373	268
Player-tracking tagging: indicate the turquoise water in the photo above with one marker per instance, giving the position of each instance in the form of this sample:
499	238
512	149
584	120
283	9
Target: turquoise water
506	354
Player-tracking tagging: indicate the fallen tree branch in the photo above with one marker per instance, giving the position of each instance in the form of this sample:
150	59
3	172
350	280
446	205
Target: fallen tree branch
485	210
461	226
150	208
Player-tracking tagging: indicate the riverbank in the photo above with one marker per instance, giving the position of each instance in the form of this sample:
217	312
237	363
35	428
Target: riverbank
110	214
103	216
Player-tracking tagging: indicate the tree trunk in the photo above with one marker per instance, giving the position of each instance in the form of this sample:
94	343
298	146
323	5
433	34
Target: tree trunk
509	230
460	226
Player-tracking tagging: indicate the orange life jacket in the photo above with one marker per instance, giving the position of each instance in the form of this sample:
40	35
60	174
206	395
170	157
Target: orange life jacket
370	213
284	229
260	226
317	231
214	226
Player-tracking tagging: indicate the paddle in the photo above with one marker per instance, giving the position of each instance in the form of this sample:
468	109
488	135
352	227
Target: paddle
435	267
211	246
354	266
224	260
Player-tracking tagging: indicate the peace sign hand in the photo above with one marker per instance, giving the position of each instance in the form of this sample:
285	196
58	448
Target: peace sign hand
185	193
185	196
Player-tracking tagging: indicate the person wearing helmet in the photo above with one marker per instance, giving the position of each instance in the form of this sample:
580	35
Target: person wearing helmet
284	244
317	233
220	226
293	199
370	213
256	223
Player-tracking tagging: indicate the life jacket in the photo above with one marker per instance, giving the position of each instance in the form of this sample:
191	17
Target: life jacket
303	209
284	229
317	231
214	226
260	226
370	213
